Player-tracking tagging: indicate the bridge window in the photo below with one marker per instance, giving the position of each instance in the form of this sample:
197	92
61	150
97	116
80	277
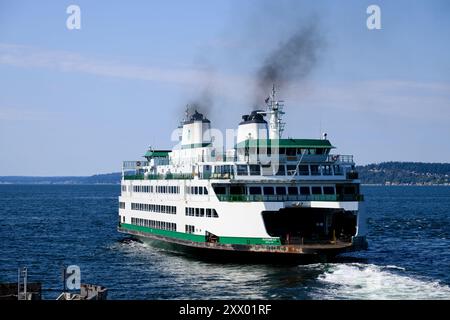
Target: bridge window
281	190
328	190
268	191
242	170
326	170
303	170
254	190
227	169
315	170
292	191
220	190
316	190
255	170
237	190
305	191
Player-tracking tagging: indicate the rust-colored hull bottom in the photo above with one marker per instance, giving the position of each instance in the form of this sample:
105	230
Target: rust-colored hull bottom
252	253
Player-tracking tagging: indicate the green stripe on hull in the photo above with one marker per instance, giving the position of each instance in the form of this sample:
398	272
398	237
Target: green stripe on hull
200	238
249	241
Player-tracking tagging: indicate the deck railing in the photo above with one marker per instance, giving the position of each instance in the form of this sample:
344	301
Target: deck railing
340	158
173	176
278	198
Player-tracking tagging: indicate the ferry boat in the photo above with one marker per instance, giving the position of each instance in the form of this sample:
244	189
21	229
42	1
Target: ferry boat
266	197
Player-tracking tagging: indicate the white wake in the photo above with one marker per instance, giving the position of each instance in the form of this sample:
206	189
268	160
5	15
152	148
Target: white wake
372	282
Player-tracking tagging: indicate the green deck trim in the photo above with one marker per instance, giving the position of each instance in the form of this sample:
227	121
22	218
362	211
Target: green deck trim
157	154
286	143
201	238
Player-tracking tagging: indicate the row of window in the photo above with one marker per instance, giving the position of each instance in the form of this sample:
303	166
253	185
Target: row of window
189	229
284	151
168	189
144	189
302	170
154	208
196	190
158	189
201	212
162	225
305	190
278	190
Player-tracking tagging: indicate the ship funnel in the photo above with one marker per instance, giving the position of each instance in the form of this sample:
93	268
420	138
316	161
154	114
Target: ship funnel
253	126
196	131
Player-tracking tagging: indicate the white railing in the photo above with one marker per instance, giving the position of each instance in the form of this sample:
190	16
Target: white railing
133	165
340	158
335	158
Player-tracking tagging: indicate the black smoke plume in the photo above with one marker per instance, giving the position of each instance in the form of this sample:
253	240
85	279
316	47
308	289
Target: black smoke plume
291	61
203	103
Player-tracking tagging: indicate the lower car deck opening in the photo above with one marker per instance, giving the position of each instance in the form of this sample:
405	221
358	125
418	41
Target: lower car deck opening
310	225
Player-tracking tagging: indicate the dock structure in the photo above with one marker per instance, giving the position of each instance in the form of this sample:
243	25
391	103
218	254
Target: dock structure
24	290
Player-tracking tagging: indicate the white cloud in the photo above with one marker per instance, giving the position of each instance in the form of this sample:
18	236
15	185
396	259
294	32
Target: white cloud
31	57
24	56
398	98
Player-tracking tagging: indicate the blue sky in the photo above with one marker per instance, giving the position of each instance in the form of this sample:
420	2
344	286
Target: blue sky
78	102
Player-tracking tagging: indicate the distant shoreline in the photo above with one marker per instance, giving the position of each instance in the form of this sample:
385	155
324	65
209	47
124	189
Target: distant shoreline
118	184
382	174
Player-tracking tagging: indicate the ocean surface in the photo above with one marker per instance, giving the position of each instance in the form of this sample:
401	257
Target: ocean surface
44	227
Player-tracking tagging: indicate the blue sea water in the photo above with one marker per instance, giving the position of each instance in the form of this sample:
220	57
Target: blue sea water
44	227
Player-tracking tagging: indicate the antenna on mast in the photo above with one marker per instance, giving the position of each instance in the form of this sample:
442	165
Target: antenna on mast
275	113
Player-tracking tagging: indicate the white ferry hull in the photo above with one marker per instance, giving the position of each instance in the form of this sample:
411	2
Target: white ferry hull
267	197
